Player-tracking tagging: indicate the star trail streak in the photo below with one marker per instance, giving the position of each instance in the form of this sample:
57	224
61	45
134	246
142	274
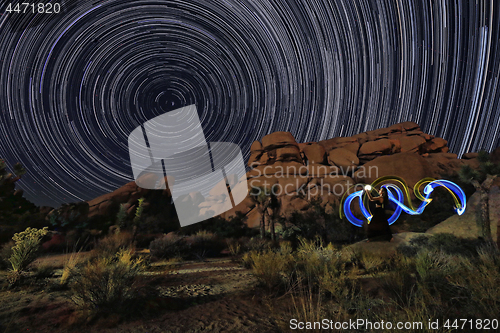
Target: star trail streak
74	85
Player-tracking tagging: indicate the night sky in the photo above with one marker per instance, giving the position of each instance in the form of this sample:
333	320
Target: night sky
74	85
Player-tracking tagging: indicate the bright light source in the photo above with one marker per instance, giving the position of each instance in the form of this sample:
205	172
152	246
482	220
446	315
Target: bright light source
368	187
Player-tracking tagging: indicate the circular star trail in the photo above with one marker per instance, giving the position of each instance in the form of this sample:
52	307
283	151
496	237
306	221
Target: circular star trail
74	85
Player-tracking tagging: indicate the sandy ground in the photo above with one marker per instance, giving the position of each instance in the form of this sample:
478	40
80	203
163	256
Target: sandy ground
217	295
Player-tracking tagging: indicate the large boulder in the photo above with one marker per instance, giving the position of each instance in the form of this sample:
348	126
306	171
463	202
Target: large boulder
436	145
315	153
381	249
372	149
291	204
288	154
107	204
277	140
343	158
411	167
445	164
495	155
335	185
324	169
468	156
396	128
320	171
468	225
411	143
338	142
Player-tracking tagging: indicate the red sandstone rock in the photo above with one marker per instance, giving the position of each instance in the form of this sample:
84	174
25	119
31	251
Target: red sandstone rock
495	155
343	158
436	145
379	147
277	139
411	167
400	150
411	143
468	156
288	154
315	153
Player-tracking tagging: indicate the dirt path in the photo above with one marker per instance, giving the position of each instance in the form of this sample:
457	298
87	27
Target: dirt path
217	295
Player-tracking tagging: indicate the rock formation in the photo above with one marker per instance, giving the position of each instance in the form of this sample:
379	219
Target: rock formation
324	169
327	169
468	224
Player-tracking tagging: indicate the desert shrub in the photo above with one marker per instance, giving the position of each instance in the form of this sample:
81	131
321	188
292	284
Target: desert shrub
104	284
246	260
205	244
286	247
439	279
69	217
121	216
5	253
270	267
400	283
69	268
99	222
151	225
476	283
312	259
112	244
436	284
44	271
305	266
318	221
143	241
79	239
371	263
258	244
442	242
26	248
168	246
323	284
234	247
234	227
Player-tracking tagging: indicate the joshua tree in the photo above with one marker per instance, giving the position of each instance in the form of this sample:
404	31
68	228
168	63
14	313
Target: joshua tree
138	216
274	205
121	216
265	200
482	180
8	179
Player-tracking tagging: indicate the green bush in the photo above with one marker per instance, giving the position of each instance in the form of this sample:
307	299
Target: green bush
104	284
26	248
442	242
234	246
435	277
234	227
476	283
205	244
312	260
317	221
5	253
258	244
270	267
167	247
112	244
